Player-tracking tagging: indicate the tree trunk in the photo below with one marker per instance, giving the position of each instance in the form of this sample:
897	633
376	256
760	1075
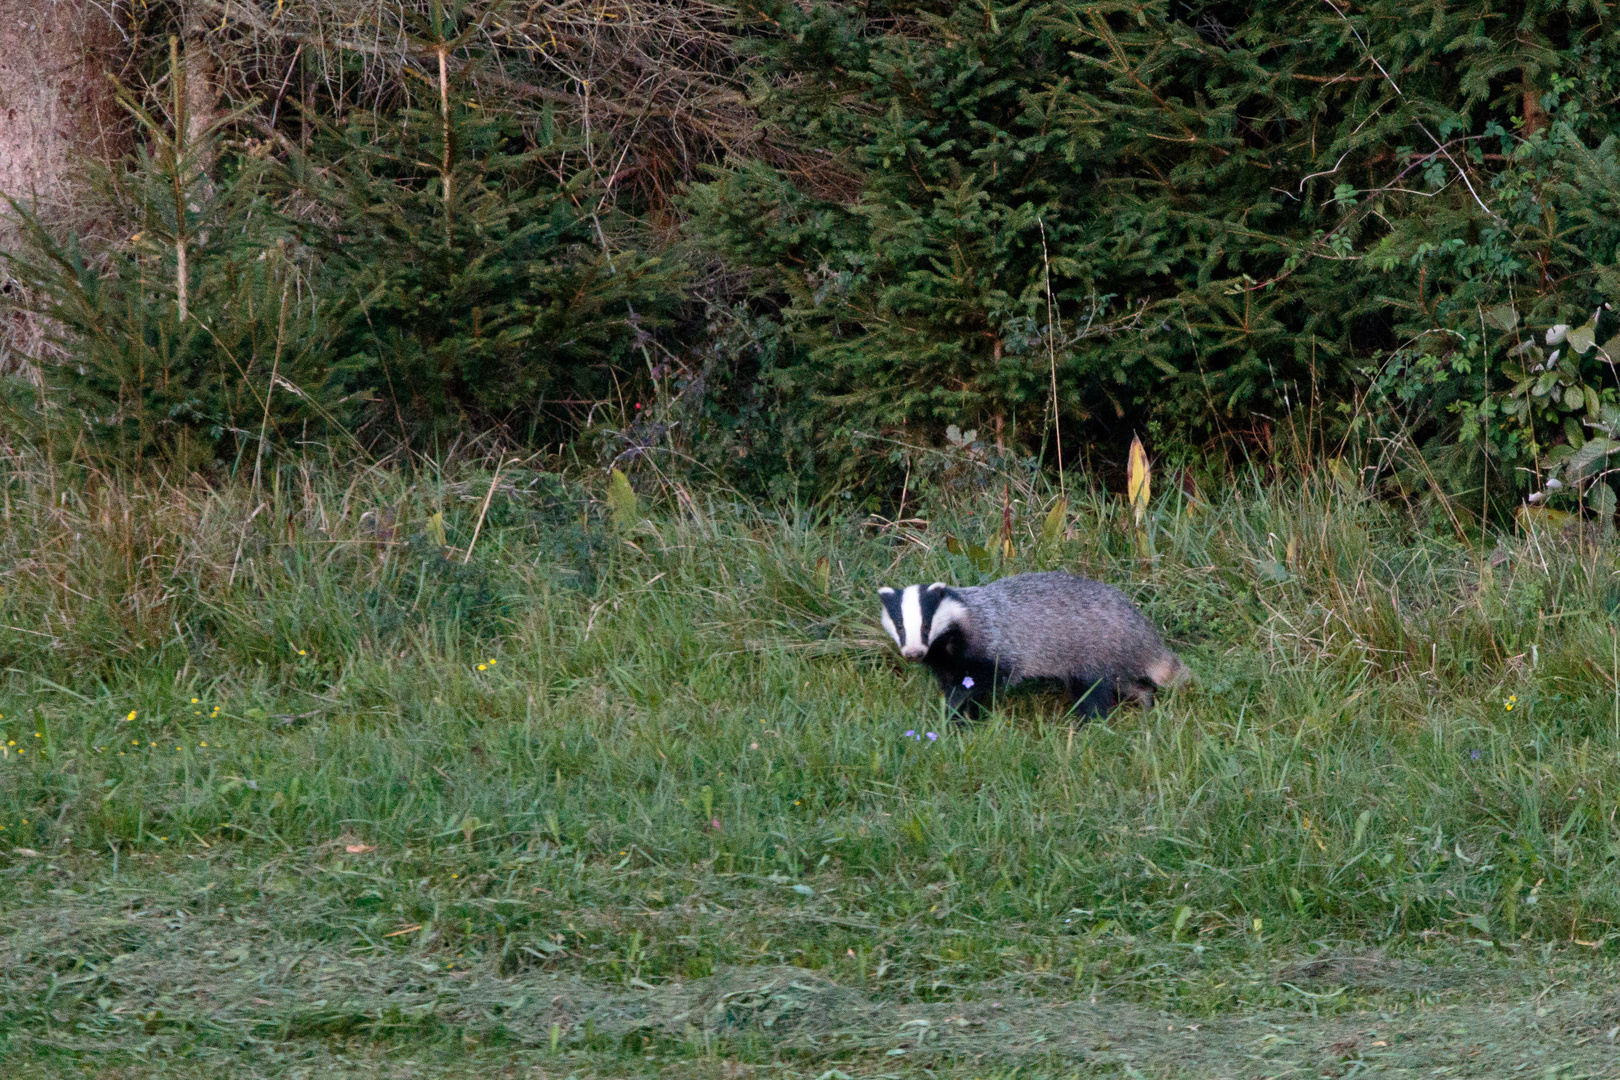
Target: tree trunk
202	83
56	108
56	102
1535	117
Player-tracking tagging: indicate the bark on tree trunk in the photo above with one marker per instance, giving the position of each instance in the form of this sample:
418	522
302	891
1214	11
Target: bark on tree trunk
56	107
202	82
56	102
1535	117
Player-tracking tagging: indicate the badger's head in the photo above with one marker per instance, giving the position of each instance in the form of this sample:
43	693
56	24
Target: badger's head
919	615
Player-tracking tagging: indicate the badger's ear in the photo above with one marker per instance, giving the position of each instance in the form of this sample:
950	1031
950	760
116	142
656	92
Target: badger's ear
885	591
936	586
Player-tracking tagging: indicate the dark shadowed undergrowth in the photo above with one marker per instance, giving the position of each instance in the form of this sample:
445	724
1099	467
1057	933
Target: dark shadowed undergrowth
632	757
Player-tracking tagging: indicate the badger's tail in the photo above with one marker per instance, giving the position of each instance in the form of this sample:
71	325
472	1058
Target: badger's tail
1168	671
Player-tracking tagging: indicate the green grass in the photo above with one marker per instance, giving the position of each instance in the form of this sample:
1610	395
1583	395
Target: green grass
682	767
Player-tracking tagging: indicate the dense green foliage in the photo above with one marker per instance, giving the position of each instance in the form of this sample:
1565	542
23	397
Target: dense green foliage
405	275
1199	216
168	348
1054	223
478	305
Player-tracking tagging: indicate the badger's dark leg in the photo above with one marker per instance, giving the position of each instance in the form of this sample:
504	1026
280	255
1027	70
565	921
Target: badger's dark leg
1093	699
966	686
964	702
965	682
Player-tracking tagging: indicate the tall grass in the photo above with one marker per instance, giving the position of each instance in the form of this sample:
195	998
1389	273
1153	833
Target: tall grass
648	751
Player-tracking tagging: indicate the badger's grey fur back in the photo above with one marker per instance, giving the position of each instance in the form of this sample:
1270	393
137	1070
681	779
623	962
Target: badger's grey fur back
1084	634
1056	626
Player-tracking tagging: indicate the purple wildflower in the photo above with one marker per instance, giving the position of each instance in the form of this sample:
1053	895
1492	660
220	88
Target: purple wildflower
1474	754
932	736
967	681
911	734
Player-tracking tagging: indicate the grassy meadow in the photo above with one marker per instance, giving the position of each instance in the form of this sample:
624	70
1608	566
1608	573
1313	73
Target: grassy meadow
452	771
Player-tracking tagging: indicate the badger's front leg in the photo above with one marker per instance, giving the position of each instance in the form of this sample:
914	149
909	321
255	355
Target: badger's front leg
1092	700
966	689
963	700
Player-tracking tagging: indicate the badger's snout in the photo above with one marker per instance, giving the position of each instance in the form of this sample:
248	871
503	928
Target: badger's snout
913	652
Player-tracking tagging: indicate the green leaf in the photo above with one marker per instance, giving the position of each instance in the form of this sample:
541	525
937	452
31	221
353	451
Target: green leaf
1602	501
623	505
981	557
1503	316
1591	458
1582	338
435	529
1052	527
954	546
1609	419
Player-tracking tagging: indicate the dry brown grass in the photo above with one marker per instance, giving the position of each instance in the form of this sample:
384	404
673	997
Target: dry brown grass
654	85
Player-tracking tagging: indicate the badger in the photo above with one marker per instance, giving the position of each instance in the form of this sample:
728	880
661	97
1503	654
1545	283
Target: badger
1050	626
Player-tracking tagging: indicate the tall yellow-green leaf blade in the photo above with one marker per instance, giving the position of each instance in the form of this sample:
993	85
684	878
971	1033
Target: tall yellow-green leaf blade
1052	527
1139	488
623	505
1138	481
435	530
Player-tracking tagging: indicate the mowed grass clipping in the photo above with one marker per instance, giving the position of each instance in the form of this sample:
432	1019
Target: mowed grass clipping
653	751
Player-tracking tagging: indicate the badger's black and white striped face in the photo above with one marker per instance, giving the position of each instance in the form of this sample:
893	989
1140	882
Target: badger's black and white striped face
918	615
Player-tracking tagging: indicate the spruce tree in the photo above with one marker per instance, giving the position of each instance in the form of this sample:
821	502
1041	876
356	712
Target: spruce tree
1192	218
